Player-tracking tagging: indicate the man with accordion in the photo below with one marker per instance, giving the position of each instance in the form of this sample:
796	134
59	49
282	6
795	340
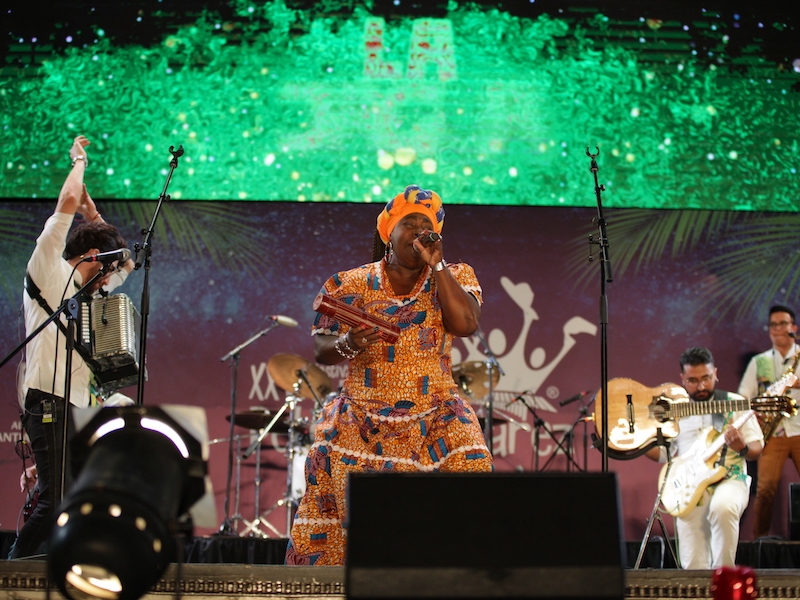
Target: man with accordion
62	263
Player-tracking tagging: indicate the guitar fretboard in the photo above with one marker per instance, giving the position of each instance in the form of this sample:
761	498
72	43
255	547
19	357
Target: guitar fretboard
709	407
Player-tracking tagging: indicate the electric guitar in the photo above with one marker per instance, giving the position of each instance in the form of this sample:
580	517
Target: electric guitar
691	473
636	412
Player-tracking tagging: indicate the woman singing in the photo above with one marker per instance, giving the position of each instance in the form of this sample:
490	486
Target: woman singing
399	409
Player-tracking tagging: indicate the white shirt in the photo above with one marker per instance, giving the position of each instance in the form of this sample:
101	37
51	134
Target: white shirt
46	353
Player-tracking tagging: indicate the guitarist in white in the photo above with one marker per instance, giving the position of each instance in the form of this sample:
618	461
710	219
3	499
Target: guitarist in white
708	490
761	372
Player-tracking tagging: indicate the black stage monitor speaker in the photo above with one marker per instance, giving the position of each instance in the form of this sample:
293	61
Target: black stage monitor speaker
794	511
484	535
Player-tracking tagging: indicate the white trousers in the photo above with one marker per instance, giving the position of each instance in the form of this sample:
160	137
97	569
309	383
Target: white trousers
709	535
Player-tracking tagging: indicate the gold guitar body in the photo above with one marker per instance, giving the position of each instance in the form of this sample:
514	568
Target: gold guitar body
634	423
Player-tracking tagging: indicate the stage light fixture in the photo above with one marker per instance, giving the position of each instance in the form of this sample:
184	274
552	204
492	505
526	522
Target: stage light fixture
138	471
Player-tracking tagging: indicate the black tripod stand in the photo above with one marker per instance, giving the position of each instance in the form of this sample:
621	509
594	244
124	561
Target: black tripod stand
661	441
564	445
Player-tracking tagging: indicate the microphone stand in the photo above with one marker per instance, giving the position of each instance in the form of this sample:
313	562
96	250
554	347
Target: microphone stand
605	277
585	417
302	374
146	248
492	364
227	526
70	307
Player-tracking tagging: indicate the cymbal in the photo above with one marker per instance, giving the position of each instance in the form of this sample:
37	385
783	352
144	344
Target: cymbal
284	368
258	419
473	378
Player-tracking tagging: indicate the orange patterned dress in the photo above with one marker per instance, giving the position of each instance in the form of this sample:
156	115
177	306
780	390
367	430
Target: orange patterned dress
398	411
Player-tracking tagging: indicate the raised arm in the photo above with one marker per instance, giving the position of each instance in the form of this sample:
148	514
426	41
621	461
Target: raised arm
71	198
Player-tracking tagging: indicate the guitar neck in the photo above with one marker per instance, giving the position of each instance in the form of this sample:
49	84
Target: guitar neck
715	446
709	407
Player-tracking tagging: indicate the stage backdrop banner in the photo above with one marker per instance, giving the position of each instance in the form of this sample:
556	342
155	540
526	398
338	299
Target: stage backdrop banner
220	272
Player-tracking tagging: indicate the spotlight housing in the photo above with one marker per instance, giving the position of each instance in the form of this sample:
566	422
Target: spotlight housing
137	472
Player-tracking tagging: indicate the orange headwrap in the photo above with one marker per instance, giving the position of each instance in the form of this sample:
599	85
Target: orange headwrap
412	200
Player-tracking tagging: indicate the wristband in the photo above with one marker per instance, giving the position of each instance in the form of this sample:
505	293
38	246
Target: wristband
96	215
80	157
440	266
743	452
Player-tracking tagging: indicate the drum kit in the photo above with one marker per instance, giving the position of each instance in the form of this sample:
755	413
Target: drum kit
301	380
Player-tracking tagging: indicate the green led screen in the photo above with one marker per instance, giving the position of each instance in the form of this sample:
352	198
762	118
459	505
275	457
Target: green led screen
487	103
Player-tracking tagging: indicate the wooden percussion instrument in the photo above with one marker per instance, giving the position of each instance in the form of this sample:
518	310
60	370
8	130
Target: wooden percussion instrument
352	316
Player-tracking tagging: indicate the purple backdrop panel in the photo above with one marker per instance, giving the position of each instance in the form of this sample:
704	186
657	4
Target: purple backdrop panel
540	318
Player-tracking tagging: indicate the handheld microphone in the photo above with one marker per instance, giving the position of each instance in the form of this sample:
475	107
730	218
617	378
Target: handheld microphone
577	396
122	255
428	237
283	320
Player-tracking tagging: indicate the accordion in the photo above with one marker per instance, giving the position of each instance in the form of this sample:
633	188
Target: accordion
107	329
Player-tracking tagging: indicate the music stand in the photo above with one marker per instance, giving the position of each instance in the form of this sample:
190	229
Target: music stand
656	513
539	424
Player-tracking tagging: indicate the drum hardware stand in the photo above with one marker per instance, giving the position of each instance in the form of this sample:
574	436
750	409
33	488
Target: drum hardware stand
227	525
656	513
492	365
301	373
237	516
262	433
255	446
252	527
295	442
538	425
292	405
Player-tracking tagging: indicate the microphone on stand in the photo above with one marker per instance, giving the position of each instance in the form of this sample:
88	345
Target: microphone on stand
521	397
574	398
122	255
283	320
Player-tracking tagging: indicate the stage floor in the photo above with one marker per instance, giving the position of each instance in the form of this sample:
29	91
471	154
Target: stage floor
232	567
25	580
